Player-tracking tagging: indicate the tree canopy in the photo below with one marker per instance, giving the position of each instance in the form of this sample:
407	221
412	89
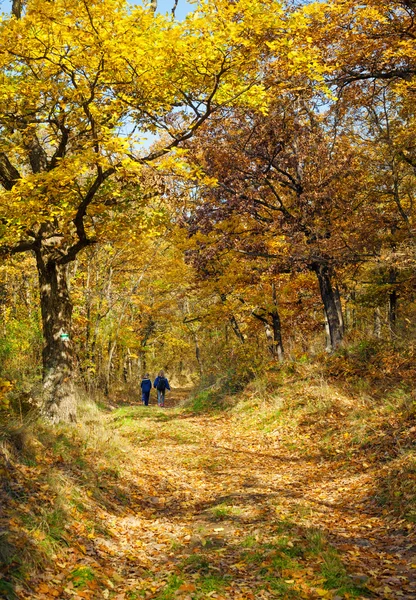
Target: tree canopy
283	161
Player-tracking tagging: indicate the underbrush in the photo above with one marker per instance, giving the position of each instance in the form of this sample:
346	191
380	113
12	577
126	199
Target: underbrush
357	407
55	484
208	400
309	413
213	398
373	365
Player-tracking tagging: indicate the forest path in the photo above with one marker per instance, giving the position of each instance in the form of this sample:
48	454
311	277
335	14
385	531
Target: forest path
208	509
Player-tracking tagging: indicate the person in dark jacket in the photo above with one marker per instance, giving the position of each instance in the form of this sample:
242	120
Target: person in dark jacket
161	384
146	386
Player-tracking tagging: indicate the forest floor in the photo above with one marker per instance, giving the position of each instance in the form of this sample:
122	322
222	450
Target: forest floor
169	504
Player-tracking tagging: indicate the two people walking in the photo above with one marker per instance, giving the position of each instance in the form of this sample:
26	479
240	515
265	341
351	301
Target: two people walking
161	384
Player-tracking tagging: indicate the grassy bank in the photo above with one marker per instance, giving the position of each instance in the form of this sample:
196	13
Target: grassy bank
331	411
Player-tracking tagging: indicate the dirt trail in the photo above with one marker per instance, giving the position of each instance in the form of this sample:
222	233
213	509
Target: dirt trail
218	512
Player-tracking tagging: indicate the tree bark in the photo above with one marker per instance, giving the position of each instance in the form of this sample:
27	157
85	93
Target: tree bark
273	334
236	329
112	344
277	328
17	6
377	323
393	299
59	396
233	322
337	298
332	309
198	353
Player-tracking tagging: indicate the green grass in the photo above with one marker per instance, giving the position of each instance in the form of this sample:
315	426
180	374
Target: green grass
196	563
169	592
81	576
272	561
7	590
249	541
48	526
281	589
205	401
316	541
336	578
212	583
224	511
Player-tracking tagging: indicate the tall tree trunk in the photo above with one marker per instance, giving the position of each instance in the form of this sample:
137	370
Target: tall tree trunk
332	311
353	310
59	396
142	362
273	334
148	330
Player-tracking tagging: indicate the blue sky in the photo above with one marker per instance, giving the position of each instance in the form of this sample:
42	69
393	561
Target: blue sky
164	6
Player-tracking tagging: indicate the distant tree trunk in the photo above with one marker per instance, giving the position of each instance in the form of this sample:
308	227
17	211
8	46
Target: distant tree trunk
337	298
275	347
236	329
393	300
353	311
272	327
333	312
142	362
377	323
59	397
112	344
197	353
277	328
226	334
3	304
149	329
234	323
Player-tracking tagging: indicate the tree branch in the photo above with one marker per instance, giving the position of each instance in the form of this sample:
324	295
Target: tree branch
8	173
21	247
78	221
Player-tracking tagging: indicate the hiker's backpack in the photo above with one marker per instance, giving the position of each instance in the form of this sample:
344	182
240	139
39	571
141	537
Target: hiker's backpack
161	384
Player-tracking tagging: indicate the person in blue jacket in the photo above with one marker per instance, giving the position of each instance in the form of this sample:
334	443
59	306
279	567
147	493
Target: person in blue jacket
161	384
146	386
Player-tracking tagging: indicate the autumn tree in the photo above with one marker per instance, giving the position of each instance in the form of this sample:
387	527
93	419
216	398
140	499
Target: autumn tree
292	187
372	71
79	81
375	40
